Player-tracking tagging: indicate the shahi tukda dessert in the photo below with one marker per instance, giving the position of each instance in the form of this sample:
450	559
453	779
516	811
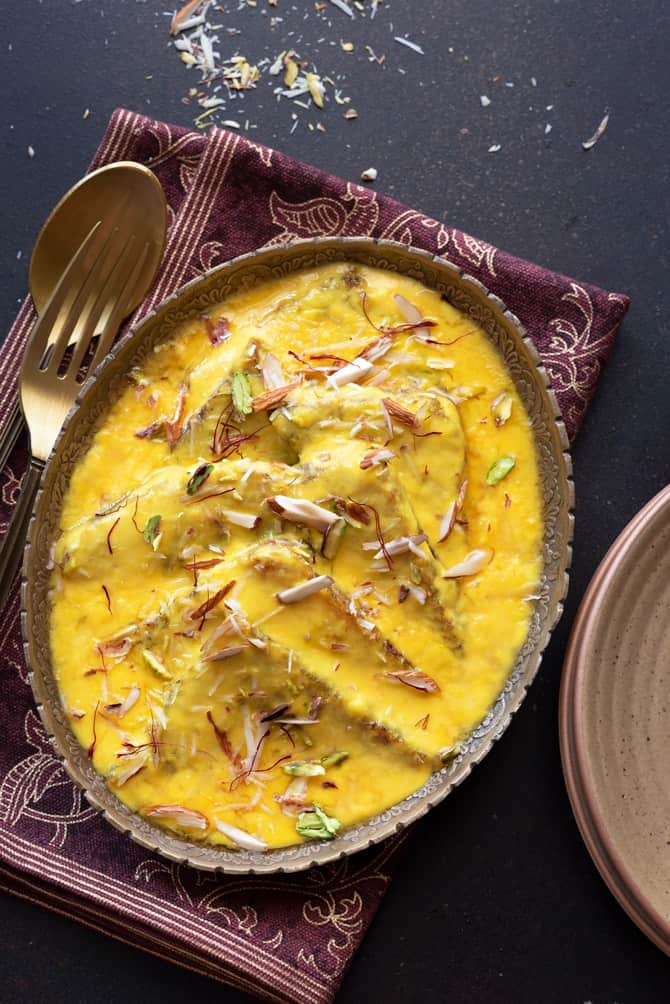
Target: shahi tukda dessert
298	560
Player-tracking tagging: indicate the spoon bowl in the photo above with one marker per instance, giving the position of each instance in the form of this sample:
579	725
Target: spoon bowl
126	188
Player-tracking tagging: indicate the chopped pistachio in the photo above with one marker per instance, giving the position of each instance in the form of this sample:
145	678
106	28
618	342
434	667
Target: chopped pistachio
333	538
155	664
334	759
198	478
241	391
151	530
302	768
316	825
499	470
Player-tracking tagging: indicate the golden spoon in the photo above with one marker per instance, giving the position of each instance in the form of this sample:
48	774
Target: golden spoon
88	201
124	190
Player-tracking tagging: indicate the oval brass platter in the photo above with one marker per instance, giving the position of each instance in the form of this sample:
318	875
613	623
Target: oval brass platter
504	330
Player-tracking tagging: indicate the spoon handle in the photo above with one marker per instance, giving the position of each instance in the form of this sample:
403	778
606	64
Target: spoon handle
12	432
11	549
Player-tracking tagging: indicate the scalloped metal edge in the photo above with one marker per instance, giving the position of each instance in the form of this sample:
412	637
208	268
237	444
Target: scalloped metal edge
302	856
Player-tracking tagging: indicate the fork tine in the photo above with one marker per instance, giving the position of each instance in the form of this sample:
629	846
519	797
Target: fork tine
103	296
82	323
61	301
109	311
113	315
79	316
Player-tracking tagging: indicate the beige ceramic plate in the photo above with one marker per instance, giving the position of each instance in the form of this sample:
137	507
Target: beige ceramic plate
531	381
615	719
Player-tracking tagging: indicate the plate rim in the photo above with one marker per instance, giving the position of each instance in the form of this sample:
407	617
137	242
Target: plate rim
177	849
610	863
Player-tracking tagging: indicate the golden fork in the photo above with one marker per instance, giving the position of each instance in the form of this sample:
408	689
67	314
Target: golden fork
125	190
88	300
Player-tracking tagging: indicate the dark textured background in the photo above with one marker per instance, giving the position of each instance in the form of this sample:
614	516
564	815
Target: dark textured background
497	899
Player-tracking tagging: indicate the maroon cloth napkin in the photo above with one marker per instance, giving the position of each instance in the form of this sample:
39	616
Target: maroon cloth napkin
283	938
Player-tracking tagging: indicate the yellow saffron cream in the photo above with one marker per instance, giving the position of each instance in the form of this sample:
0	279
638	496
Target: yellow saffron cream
298	560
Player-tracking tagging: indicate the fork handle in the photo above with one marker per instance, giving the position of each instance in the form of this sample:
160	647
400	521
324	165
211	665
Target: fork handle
12	432
11	549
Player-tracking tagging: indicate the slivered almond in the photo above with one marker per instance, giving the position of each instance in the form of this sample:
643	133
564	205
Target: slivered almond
350	373
376	349
240	837
412	315
173	427
300	592
247	520
418	593
225	653
349	509
302	511
501	408
273	375
356	511
376	457
117	649
269	399
189	819
447	523
317	372
129	702
292	801
414	678
398	413
472	563
230	626
401	545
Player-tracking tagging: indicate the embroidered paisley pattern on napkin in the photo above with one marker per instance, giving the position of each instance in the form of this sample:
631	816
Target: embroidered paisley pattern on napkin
284	938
